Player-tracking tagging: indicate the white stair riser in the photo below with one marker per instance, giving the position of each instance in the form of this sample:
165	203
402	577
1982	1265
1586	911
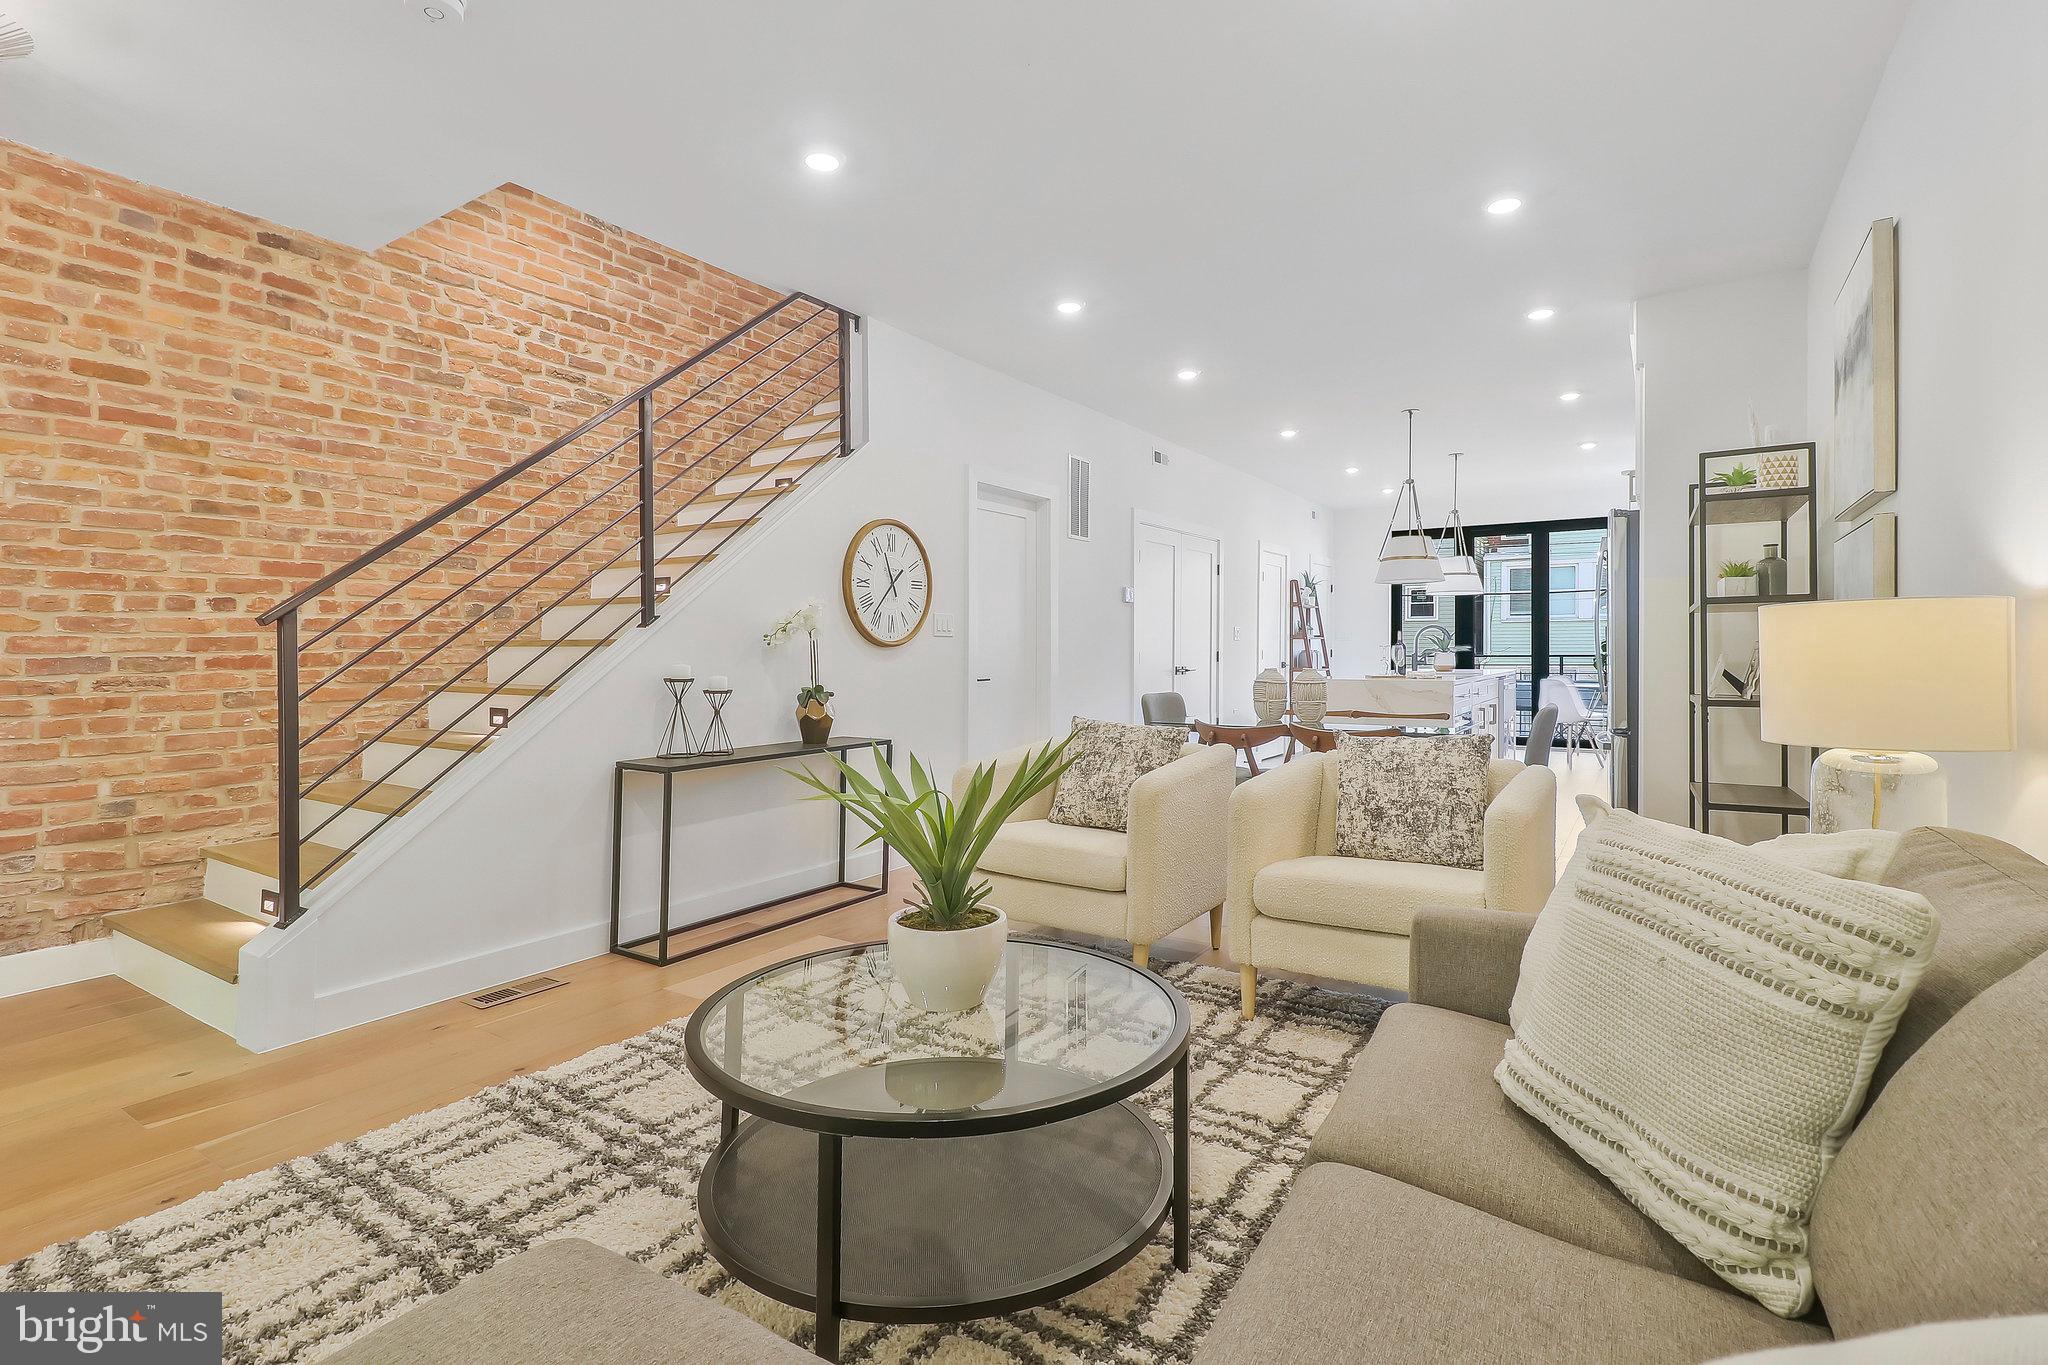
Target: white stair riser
237	888
471	711
628	580
708	508
584	621
546	664
202	995
346	827
402	763
702	541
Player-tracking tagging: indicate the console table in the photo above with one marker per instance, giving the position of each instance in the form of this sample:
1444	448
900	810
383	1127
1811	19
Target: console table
751	755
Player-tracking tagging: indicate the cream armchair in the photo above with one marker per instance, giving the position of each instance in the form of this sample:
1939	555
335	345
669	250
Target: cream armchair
1141	885
1294	906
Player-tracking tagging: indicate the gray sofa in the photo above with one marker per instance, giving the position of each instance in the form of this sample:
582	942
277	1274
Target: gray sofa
1436	1222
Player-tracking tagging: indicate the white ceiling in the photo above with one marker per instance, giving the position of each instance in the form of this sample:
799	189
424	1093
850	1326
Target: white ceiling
1287	194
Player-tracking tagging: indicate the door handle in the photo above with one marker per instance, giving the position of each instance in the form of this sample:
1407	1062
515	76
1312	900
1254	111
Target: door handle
984	679
1179	669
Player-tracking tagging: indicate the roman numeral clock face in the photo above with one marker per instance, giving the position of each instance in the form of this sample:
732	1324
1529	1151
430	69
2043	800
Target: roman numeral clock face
888	582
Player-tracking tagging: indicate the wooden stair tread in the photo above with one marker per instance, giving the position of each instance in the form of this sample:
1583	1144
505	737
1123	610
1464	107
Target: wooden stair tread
766	491
542	642
830	433
197	932
731	524
379	798
422	739
260	856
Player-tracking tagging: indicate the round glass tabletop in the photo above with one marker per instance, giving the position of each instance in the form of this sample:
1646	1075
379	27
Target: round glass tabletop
830	1042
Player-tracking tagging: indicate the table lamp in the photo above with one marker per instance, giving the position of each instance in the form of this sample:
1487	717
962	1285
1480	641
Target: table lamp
1876	683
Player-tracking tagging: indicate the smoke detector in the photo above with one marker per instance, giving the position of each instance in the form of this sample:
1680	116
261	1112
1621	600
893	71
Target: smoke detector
438	11
14	40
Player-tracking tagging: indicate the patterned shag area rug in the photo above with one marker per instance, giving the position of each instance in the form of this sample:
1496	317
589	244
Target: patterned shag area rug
608	1147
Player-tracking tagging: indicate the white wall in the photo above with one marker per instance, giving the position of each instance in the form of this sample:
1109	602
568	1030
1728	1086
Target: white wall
512	875
1709	356
1956	149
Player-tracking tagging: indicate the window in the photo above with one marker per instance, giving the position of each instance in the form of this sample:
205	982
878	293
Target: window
1573	590
1510	584
1420	606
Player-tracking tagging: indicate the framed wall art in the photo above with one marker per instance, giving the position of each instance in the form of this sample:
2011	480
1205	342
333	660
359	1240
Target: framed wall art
1863	457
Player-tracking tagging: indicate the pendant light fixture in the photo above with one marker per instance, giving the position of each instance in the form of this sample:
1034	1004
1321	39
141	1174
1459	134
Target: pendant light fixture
1461	567
1406	554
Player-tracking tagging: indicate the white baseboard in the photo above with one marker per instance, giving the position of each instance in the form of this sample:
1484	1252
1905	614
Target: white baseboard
41	968
862	865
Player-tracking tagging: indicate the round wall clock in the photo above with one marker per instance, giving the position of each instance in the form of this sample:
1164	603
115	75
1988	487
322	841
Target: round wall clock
887	582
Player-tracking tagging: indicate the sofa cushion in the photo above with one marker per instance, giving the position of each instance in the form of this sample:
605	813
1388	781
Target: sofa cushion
566	1300
1980	1341
1358	1266
1427	1075
1413	800
1069	855
1700	1023
1937	1206
1361	893
1105	760
1993	903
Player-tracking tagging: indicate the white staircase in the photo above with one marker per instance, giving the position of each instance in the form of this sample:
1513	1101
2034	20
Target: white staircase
188	952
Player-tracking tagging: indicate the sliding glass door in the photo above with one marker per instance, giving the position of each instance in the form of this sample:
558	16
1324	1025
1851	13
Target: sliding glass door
1543	614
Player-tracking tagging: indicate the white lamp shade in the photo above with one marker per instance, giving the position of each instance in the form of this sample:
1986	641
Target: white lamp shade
1916	674
1461	577
1409	558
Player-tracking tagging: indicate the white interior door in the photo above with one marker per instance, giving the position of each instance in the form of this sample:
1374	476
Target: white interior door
1272	608
1174	624
1006	626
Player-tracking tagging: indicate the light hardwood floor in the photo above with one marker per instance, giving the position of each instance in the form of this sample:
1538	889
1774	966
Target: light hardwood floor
114	1104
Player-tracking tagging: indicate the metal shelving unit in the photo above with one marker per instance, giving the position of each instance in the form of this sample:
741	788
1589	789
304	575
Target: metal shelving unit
1713	506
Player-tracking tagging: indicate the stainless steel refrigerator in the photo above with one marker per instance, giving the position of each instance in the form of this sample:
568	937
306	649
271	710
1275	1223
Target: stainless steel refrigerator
1624	649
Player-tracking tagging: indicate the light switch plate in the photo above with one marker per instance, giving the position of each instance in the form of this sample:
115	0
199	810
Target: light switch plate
942	625
1236	634
1130	596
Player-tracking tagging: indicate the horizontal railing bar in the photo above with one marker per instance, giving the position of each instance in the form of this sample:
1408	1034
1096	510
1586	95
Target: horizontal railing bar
448	509
566	517
574	550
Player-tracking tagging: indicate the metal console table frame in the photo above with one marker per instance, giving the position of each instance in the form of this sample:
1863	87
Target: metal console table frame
810	1275
667	769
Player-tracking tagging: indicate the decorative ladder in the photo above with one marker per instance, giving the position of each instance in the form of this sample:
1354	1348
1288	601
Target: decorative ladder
404	662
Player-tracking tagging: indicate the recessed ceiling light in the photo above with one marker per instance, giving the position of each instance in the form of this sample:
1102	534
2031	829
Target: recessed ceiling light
1070	306
1572	396
825	162
1506	204
1351	469
1289	434
1540	314
1187	376
1386	492
1589	445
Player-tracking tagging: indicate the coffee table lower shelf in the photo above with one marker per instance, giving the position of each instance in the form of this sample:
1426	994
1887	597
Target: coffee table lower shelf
937	1229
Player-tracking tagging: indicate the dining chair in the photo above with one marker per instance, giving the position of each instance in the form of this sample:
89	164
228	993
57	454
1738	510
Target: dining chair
1573	718
1163	708
1541	728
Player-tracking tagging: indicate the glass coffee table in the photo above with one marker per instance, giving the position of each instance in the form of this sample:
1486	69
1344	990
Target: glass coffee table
902	1166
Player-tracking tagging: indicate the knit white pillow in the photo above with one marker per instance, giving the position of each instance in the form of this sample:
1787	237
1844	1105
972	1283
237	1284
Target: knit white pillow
1699	1022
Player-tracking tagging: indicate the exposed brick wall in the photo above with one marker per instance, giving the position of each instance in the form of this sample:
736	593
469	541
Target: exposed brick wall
203	412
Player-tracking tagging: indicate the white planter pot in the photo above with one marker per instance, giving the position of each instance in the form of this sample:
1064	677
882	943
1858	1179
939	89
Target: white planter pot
946	970
1737	587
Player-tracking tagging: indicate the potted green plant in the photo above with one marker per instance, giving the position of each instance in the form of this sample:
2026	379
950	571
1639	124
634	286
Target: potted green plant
945	945
1738	579
813	716
1740	476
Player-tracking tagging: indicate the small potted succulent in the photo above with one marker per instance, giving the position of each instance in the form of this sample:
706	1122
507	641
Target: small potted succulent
813	715
945	945
1739	476
1738	578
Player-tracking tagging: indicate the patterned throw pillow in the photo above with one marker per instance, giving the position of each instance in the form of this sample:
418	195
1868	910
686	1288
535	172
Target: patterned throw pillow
1107	758
1699	1022
1415	800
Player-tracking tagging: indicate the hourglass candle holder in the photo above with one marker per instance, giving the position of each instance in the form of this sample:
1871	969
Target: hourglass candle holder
678	740
717	739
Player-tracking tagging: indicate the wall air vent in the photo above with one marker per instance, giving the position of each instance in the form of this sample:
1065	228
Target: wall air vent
517	990
1078	520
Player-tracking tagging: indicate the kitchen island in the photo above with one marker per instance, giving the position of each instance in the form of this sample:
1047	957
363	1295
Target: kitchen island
1478	701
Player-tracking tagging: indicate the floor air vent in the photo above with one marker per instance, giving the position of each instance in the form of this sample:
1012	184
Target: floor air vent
515	990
